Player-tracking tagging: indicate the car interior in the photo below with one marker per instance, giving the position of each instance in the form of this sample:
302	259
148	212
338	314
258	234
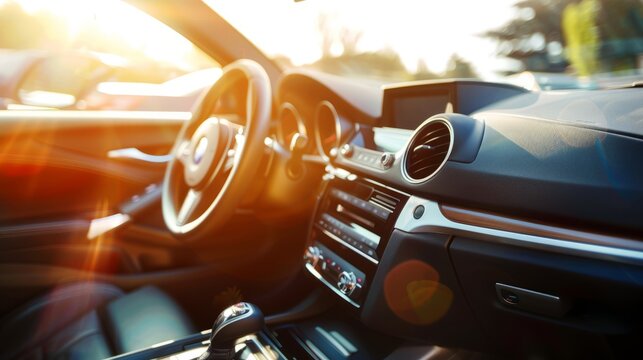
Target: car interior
296	214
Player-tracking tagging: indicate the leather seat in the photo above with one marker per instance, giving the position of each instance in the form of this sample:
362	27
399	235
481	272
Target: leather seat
91	321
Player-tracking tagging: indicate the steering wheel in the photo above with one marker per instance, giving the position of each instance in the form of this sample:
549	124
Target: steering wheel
215	161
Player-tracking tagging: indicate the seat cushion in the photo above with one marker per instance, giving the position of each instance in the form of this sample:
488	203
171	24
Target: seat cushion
144	318
91	321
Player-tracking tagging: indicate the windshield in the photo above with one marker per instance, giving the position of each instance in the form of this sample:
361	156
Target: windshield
96	55
538	44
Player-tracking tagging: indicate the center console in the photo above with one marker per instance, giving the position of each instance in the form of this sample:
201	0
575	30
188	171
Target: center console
351	226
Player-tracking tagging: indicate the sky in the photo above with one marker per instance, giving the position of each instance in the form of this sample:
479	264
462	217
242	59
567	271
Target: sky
431	30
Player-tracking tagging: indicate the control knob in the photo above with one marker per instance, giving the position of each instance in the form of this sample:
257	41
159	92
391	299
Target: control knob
387	160
312	255
346	282
346	150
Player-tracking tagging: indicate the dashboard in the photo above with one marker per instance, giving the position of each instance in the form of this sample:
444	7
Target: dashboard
450	211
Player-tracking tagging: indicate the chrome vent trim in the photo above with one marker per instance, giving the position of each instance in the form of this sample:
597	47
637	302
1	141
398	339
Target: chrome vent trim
428	150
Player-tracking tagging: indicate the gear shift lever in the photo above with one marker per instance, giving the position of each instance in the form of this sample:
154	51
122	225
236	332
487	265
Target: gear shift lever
234	322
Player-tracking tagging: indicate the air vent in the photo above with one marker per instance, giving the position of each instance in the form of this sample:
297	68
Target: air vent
428	150
383	200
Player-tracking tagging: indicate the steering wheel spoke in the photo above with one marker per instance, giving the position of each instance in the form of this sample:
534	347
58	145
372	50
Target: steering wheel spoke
190	203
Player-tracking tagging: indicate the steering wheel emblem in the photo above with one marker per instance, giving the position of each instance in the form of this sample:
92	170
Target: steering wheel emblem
200	149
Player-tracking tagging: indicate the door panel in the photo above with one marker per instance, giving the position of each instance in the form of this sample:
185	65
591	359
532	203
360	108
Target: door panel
56	176
54	164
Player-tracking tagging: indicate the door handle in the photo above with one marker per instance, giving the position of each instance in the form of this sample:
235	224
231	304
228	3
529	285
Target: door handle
532	301
136	154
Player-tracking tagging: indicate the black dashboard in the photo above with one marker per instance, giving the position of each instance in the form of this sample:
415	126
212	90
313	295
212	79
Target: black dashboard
450	211
528	155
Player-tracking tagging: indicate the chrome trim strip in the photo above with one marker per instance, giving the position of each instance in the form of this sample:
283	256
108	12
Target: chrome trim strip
316	274
301	127
345	353
257	343
385	186
496	221
532	292
318	353
338	128
433	221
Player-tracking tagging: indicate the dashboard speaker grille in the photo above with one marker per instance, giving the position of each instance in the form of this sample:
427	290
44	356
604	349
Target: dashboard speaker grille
428	151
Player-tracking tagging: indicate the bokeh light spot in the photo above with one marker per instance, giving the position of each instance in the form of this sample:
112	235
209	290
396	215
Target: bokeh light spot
414	293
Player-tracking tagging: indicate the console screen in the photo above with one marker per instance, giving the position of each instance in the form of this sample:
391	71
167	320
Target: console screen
410	111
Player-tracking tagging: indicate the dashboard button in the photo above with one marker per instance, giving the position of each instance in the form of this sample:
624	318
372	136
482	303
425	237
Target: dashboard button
418	211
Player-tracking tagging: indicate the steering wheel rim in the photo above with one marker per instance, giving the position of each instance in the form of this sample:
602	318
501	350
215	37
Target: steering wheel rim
207	147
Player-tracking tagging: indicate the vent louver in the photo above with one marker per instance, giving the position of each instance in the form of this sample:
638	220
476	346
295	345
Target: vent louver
428	151
385	201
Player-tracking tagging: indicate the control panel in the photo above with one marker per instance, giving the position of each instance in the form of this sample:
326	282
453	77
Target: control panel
371	208
352	224
339	231
338	274
366	157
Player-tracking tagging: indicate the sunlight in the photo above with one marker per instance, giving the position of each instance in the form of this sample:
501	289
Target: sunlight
93	258
417	30
115	20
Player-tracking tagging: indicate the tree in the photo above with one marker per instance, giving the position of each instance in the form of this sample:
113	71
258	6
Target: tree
527	36
384	64
620	26
537	37
423	73
459	68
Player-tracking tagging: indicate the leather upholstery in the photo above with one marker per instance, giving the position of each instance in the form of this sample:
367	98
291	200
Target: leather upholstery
144	318
91	321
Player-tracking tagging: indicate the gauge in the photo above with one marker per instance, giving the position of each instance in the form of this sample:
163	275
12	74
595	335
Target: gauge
290	123
331	129
327	129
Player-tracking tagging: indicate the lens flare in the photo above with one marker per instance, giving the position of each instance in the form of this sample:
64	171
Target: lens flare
414	293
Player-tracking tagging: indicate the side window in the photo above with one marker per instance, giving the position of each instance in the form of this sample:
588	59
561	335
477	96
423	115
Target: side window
96	55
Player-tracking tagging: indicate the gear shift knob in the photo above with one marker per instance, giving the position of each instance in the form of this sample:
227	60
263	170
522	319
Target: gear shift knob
234	322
